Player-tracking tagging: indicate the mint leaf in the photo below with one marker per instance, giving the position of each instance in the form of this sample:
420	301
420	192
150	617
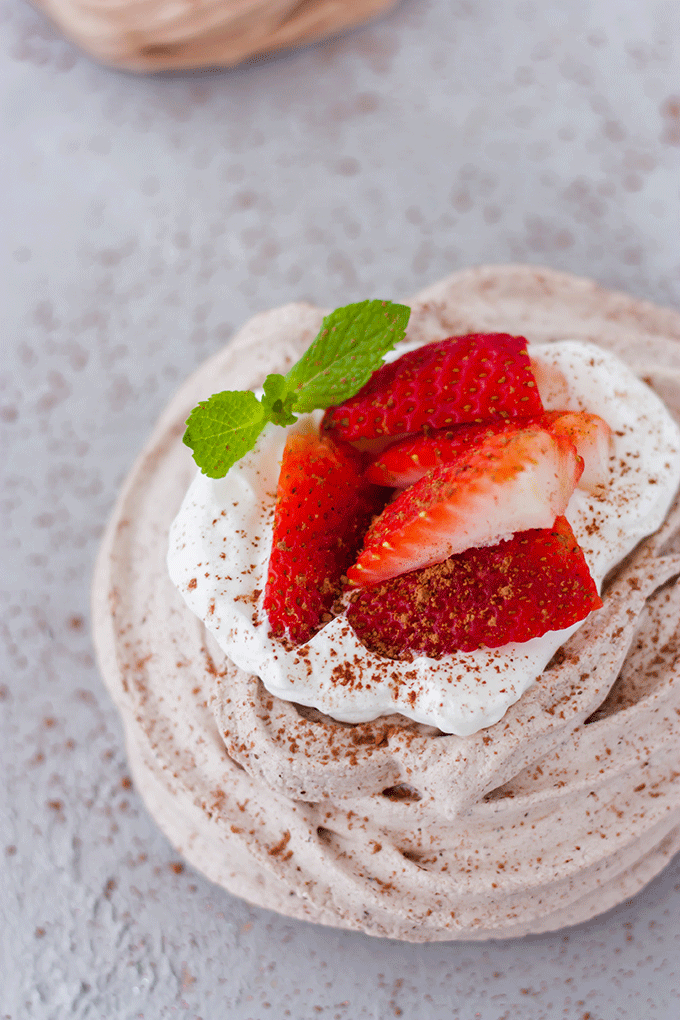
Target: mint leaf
346	353
277	401
222	429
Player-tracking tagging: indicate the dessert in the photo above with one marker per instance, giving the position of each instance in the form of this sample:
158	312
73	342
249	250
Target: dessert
161	36
522	473
559	807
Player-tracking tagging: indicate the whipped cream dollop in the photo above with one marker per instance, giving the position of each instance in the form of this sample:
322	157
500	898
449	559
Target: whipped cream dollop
220	544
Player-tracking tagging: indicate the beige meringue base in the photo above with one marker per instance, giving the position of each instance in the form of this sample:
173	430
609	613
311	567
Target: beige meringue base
567	806
211	848
148	35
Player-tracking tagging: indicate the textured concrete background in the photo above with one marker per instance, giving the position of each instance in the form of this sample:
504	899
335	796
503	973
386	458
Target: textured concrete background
147	219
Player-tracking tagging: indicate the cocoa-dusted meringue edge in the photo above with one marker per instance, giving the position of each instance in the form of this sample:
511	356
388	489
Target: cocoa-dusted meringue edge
568	805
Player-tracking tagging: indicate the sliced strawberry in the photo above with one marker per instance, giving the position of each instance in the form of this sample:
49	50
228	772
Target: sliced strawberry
535	582
475	378
402	463
592	438
322	510
509	482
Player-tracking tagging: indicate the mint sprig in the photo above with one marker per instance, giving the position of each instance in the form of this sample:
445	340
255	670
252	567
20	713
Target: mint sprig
348	349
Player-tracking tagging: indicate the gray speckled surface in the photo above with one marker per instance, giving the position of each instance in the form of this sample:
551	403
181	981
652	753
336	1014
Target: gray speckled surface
147	219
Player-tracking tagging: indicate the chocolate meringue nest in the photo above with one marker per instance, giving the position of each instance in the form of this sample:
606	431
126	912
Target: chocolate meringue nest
565	807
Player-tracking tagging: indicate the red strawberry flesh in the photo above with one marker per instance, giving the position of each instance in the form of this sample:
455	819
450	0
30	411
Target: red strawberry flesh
537	581
508	482
323	508
405	461
475	378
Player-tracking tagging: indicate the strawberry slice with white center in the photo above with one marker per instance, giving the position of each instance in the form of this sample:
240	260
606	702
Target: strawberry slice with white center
402	463
592	438
509	482
476	378
535	582
406	461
